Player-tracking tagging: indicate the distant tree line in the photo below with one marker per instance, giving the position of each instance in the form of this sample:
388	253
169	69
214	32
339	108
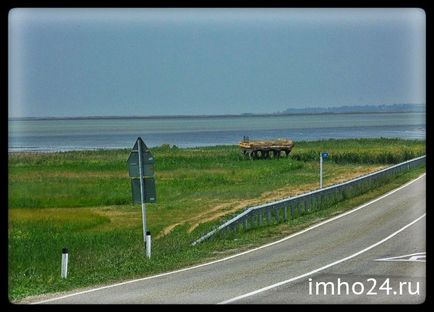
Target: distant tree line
358	109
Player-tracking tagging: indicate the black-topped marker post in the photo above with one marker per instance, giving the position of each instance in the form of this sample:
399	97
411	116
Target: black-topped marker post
64	269
148	244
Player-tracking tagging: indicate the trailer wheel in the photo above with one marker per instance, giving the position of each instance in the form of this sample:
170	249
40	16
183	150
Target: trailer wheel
276	154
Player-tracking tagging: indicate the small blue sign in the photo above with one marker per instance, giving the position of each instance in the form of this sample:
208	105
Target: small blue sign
324	155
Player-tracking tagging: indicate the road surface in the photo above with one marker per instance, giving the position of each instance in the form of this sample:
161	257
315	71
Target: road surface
374	253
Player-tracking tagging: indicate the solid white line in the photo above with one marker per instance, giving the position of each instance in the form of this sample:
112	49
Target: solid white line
402	260
321	268
239	254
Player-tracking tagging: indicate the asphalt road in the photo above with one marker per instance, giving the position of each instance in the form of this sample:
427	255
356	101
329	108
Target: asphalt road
358	254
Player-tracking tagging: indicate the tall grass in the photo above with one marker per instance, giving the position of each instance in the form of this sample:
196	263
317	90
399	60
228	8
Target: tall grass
362	151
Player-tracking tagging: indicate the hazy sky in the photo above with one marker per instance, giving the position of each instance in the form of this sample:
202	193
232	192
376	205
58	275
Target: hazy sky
81	62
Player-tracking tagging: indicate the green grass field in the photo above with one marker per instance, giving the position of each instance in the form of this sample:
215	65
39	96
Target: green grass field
82	200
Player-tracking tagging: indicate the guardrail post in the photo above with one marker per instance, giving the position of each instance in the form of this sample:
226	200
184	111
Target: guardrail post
268	215
314	205
285	214
221	233
236	226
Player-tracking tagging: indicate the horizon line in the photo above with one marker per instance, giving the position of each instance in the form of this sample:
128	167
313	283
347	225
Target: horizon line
295	111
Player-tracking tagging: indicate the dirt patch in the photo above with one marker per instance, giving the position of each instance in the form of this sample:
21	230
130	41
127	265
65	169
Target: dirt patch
353	173
219	210
168	229
216	212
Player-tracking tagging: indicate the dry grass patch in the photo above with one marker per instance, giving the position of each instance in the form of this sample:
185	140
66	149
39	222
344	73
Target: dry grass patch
222	209
118	217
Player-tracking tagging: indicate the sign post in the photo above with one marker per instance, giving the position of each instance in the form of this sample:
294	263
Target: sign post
141	171
142	191
322	155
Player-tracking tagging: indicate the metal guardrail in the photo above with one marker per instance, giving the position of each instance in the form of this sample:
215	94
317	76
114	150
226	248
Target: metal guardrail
277	212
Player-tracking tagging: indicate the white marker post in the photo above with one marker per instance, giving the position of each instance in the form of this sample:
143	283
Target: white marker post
148	244
142	193
64	268
321	156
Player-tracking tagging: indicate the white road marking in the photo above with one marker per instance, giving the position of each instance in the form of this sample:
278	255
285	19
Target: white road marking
323	267
414	257
236	255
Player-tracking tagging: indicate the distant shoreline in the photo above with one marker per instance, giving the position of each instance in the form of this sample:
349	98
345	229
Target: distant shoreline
206	116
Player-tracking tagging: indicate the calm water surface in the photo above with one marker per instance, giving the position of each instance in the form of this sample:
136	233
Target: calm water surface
83	134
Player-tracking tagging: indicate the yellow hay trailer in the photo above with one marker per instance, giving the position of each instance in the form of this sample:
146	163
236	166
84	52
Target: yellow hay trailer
266	148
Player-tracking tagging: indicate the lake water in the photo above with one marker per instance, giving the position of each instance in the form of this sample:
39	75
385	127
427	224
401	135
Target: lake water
84	134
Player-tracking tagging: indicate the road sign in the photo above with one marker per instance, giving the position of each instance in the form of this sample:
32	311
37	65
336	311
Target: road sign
150	194
147	173
147	158
324	155
141	170
133	169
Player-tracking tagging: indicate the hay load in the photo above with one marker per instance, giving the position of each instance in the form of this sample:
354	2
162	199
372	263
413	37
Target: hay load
264	149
